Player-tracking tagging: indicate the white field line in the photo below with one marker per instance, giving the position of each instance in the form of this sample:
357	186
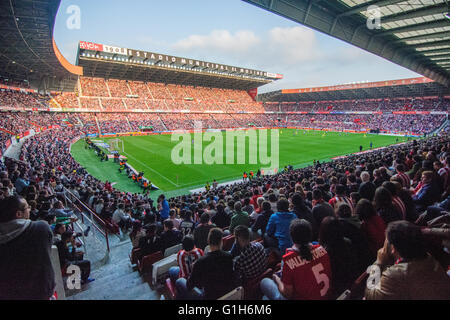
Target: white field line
143	164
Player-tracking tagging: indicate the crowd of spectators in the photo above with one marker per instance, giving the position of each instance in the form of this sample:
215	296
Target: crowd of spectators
339	216
90	103
338	202
113	122
140	89
118	88
383	105
113	104
93	87
418	124
67	100
149	120
21	100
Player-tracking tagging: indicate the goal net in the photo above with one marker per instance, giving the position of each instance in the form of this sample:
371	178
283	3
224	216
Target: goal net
116	145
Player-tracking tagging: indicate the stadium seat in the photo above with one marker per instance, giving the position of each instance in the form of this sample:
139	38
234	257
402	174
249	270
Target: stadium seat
145	264
135	255
160	268
112	227
359	286
228	242
235	294
273	259
173	250
252	289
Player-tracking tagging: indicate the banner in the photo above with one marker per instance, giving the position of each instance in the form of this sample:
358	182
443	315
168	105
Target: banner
192	63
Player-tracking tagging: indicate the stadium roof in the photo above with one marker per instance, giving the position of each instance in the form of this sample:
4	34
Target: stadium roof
414	87
414	34
104	61
28	51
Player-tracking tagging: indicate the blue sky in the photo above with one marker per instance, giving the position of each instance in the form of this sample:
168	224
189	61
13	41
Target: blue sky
229	32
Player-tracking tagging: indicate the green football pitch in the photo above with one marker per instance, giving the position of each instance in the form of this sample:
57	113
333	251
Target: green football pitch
154	154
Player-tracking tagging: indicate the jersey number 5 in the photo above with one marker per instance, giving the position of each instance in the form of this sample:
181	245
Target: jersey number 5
321	278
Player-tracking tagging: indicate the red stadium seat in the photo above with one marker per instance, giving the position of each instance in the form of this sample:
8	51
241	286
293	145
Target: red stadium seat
358	287
273	259
228	242
146	263
135	255
252	290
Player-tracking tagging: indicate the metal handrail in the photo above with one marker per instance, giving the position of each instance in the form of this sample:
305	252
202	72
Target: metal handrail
103	232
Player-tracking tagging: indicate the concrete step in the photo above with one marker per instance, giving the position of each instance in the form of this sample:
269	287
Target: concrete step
115	286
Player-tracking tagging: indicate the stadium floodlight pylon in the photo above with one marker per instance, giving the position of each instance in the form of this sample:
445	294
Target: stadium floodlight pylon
117	145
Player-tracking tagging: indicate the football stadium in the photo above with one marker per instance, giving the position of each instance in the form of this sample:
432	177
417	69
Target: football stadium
134	174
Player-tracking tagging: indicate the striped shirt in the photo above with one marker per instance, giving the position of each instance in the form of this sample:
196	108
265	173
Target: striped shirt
186	261
399	205
444	173
336	201
405	180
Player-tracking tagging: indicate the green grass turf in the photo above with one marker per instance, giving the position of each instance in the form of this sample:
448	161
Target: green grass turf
152	154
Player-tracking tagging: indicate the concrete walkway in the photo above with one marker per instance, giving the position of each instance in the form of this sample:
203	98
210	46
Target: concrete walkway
14	149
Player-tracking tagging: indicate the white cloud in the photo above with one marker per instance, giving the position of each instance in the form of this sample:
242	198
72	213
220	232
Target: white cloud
220	40
294	45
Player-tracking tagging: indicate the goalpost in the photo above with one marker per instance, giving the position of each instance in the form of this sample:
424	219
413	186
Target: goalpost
117	145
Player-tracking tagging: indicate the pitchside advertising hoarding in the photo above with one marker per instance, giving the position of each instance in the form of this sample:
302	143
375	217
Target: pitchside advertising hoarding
173	59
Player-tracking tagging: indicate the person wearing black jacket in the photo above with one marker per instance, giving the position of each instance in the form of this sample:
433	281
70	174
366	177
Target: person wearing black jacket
343	259
212	275
221	219
170	236
150	243
202	230
263	218
303	212
351	229
26	270
69	257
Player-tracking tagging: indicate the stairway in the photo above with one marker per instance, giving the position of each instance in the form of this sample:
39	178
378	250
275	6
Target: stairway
441	127
117	280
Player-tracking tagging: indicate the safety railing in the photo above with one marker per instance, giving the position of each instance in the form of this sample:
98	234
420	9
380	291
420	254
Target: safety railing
93	219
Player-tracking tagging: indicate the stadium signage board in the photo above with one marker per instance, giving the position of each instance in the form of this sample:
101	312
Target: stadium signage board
175	60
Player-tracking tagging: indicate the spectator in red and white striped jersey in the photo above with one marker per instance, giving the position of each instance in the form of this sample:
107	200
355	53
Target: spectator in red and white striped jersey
444	173
340	197
396	200
404	178
185	258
